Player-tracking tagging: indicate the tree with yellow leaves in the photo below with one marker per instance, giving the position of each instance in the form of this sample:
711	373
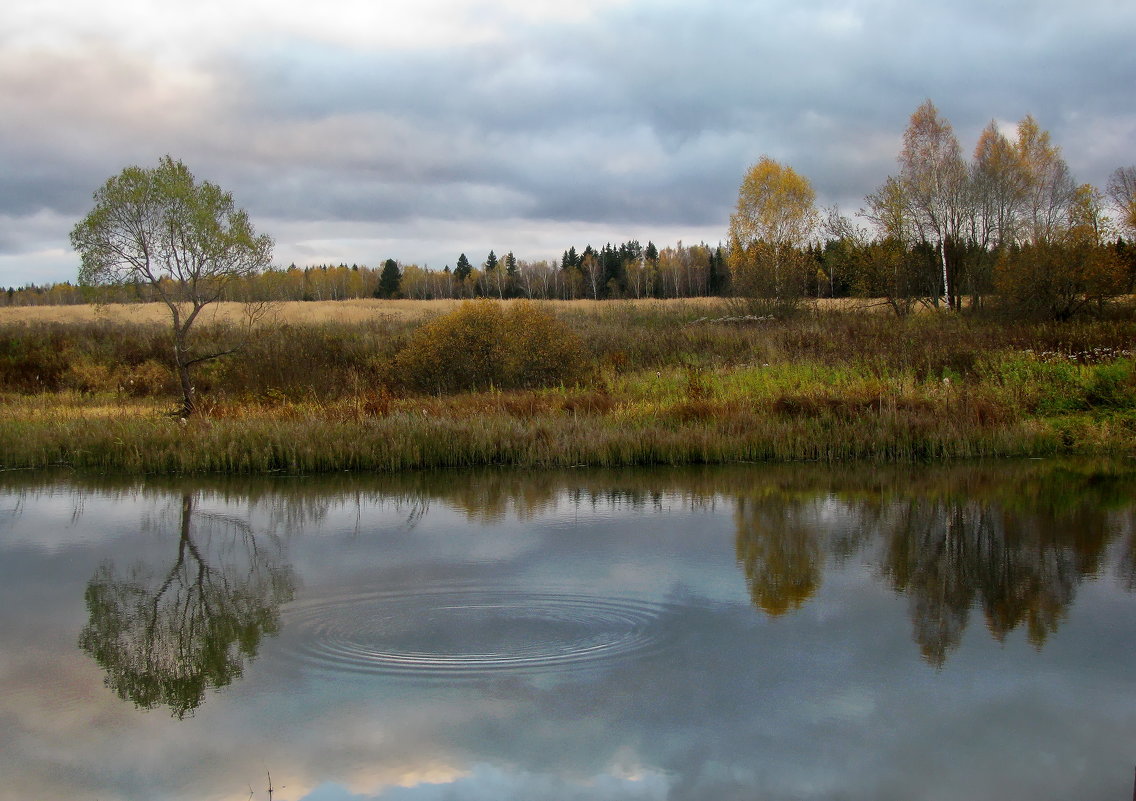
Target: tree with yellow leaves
775	217
1051	192
933	176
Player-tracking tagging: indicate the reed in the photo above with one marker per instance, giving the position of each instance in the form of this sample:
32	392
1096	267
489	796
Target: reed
549	433
651	383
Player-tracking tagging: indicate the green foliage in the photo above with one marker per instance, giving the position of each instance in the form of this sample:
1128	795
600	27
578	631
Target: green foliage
482	344
463	269
154	224
1113	386
165	638
187	240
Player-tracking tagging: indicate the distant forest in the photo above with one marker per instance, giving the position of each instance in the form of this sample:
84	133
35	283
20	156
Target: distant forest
1010	224
840	267
629	270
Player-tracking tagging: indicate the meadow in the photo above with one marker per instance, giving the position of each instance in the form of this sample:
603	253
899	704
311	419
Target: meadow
396	385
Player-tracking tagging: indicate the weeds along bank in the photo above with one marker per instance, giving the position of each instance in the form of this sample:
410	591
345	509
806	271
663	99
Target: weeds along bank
566	384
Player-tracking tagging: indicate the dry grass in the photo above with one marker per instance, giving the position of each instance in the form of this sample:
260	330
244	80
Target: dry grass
401	311
70	406
319	393
345	311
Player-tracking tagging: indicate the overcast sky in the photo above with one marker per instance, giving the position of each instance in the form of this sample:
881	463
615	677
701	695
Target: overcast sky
357	130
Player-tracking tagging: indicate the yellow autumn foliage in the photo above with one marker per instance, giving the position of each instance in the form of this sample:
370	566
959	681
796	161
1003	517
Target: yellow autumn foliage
484	344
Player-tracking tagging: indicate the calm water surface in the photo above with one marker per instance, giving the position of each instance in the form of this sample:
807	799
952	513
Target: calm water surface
746	632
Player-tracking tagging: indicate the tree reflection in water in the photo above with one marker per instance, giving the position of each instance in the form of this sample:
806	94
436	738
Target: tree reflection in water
1018	557
165	638
779	552
1021	566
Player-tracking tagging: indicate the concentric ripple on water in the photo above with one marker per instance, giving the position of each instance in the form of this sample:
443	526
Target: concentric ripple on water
470	633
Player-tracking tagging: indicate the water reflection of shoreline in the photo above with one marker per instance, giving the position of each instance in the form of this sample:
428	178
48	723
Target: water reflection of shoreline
725	701
165	637
1011	540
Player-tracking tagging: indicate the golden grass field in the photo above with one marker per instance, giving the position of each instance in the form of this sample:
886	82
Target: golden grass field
350	311
347	311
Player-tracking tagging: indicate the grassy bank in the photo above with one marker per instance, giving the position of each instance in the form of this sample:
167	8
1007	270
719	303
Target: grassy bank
661	384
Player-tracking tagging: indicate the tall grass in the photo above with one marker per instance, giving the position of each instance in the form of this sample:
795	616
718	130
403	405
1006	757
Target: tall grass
545	430
654	384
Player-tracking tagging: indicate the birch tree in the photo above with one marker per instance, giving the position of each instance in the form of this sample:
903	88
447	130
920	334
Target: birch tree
998	189
1122	191
776	215
934	180
1050	189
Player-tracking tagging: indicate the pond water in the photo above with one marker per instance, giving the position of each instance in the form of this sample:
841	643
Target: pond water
741	632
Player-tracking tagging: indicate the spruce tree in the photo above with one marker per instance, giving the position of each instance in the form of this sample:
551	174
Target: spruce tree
464	268
389	280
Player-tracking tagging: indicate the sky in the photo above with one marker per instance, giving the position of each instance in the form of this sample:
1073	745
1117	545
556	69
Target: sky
355	131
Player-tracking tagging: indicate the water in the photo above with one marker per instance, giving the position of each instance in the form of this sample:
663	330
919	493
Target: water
788	632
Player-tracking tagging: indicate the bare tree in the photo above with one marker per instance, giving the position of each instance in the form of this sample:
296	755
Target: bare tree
1122	191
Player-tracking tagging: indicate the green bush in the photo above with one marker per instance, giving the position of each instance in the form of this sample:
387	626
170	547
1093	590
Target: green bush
1113	386
482	344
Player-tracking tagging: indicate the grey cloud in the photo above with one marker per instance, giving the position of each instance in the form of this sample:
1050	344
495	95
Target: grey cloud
645	116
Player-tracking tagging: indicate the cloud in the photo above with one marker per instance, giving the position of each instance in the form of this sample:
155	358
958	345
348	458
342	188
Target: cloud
635	115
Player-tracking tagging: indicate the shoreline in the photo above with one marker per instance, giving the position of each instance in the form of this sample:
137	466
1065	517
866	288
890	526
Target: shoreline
294	441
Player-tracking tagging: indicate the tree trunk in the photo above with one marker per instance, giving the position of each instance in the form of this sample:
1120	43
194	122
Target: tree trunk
181	363
946	277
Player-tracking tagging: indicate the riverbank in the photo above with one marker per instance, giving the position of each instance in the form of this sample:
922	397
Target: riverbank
760	414
662	385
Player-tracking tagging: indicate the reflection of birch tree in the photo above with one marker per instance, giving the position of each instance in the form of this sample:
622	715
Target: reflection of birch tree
927	559
1021	567
1017	557
1030	579
164	638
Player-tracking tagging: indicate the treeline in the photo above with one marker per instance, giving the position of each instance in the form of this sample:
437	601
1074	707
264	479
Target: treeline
628	270
1010	227
852	265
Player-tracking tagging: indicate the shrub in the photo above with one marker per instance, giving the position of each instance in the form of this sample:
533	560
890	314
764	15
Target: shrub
481	345
149	379
1058	280
32	358
84	374
325	360
1113	386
